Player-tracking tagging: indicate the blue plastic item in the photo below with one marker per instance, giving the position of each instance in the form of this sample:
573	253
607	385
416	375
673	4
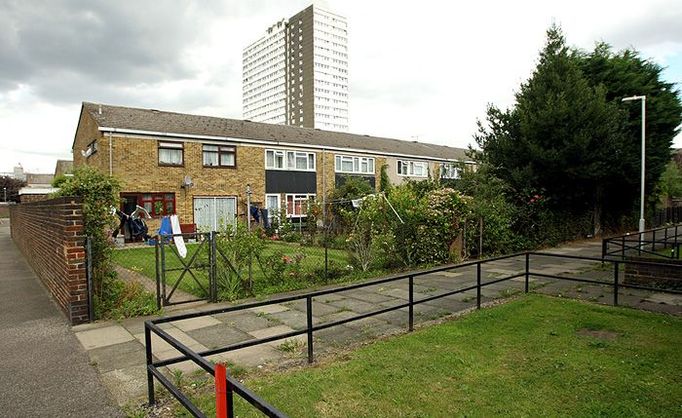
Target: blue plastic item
166	228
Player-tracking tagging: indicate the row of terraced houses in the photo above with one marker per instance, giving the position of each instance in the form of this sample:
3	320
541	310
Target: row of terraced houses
199	167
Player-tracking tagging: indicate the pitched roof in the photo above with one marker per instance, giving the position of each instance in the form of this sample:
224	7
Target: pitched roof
154	121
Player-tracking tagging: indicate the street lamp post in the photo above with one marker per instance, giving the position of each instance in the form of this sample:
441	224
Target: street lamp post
5	190
641	196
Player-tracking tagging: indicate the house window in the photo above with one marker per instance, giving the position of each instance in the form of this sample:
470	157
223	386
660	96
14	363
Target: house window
219	156
413	168
349	164
272	204
289	160
170	153
274	159
450	171
214	213
158	204
90	150
297	204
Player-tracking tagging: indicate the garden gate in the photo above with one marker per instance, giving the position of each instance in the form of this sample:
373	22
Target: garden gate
193	277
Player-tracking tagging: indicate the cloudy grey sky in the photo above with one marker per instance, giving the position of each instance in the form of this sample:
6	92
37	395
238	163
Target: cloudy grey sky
422	69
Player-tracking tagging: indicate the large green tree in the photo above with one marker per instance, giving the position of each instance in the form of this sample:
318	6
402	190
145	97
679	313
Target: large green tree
561	140
624	74
570	139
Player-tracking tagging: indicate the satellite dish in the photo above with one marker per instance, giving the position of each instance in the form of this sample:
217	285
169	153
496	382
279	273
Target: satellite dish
187	182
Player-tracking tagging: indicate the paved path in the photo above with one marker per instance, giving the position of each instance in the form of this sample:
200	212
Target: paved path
45	371
117	350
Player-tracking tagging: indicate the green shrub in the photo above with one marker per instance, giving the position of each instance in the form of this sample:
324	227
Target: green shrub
113	298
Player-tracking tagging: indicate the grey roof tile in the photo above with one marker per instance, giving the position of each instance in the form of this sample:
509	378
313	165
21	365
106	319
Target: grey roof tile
152	120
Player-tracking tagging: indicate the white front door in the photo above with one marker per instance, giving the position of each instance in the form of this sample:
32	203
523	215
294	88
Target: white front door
214	213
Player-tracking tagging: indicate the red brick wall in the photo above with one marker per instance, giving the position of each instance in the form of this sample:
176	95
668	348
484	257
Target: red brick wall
50	235
665	274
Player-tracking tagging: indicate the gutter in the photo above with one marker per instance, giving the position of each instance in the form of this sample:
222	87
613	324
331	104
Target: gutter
271	143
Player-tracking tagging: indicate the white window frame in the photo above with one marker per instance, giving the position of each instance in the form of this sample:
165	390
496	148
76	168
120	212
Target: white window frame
174	146
308	197
214	221
450	171
286	156
356	162
273	213
410	171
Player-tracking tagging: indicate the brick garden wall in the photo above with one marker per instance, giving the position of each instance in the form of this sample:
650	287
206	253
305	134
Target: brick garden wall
668	275
50	234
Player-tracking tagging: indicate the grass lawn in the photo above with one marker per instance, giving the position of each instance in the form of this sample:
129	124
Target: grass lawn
535	356
143	259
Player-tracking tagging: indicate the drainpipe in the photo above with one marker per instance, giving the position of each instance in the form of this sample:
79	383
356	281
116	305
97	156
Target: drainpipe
324	186
111	162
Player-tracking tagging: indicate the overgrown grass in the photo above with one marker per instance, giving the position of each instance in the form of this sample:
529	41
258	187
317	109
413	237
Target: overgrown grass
536	356
142	260
119	299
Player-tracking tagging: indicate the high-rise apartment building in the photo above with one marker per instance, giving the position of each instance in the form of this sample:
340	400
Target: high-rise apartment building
297	74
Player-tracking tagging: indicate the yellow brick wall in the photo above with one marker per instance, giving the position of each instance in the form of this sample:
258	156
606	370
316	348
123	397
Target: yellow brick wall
324	161
136	165
87	132
378	163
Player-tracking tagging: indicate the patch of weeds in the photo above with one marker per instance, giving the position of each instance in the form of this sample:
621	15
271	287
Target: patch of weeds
468	299
178	377
120	299
536	285
269	317
509	292
136	411
291	346
367	331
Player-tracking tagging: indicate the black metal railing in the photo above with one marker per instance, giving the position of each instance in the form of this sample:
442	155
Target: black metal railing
649	243
233	386
669	215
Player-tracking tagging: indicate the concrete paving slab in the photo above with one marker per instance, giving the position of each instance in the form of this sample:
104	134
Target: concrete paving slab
339	335
404	294
245	321
338	316
102	337
373	327
666	298
126	384
369	296
332	297
270	309
217	336
449	303
118	356
277	330
294	319
319	308
251	356
355	305
196	323
162	350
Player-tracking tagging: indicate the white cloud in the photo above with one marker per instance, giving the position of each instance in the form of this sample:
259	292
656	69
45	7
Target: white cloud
425	69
